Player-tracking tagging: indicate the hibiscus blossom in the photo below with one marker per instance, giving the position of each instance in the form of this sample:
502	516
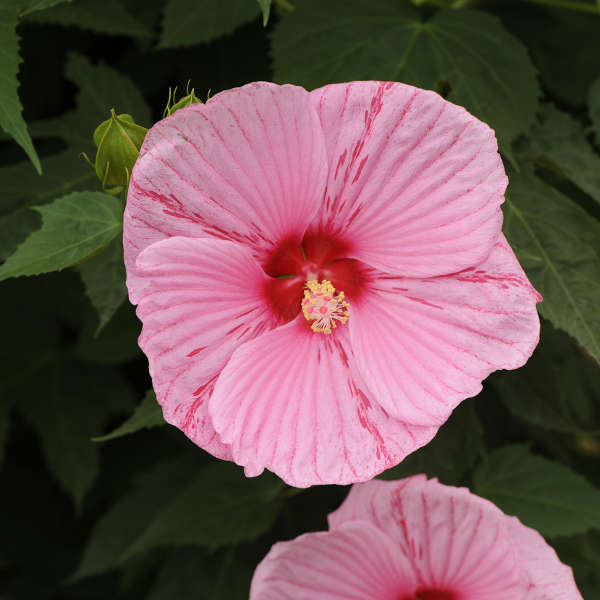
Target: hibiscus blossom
415	539
322	276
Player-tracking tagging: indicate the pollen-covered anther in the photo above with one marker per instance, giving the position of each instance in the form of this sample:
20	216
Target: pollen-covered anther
323	306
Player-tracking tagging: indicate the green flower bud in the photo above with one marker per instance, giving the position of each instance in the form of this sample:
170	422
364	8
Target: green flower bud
118	140
187	100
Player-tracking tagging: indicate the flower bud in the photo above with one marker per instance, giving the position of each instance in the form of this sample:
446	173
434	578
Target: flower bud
186	100
118	140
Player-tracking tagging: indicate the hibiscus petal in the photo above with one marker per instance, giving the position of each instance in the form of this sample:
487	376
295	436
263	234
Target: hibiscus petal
201	299
455	541
423	346
357	562
549	578
289	401
415	182
248	166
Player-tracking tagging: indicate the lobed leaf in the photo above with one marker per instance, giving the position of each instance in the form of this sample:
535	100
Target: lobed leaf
594	104
557	389
265	7
108	16
485	68
221	506
11	119
191	573
452	452
29	6
146	415
104	278
543	494
75	403
560	143
176	504
189	22
558	244
73	228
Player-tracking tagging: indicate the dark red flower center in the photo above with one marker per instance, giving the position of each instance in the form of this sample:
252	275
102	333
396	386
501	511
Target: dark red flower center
316	257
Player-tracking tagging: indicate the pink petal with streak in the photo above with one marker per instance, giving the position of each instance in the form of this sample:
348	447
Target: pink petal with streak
200	299
454	540
248	166
290	402
415	182
548	578
355	562
423	346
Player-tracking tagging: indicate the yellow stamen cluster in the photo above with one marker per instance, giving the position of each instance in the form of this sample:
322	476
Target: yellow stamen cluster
323	307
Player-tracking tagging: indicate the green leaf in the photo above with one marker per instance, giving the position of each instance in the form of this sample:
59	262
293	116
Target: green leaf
34	5
104	278
101	88
582	552
543	494
146	415
63	173
557	389
116	343
265	7
5	410
559	143
564	45
67	403
221	506
452	452
73	228
487	69
177	504
129	517
107	16
189	22
594	104
191	573
11	119
558	244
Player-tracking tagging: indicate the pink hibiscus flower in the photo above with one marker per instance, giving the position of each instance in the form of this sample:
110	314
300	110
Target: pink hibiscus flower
322	276
415	540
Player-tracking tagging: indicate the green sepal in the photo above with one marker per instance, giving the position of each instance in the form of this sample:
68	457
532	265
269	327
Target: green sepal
118	140
183	102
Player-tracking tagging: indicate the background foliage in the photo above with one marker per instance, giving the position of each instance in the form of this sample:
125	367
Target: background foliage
99	497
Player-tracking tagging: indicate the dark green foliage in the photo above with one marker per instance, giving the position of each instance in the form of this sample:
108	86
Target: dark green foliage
100	498
145	416
466	54
544	494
